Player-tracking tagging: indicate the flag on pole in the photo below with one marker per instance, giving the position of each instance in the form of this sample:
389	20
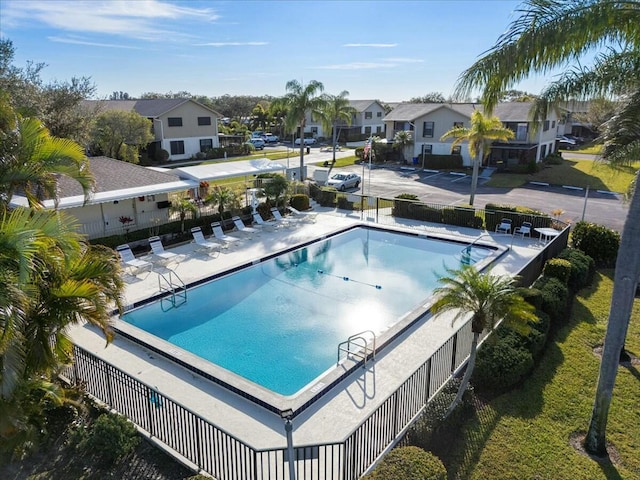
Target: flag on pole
367	148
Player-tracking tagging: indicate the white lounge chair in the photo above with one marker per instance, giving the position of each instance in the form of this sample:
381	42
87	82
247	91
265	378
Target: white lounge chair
202	244
304	216
218	233
280	220
163	257
504	226
523	230
260	222
242	228
130	262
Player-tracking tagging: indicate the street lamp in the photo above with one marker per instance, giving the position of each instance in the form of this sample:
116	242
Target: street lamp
288	428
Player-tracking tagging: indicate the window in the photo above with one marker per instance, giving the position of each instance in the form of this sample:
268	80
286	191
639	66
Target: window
205	144
458	124
379	114
314	131
544	151
427	129
457	150
367	130
522	132
553	124
177	147
204	120
427	149
368	115
174	121
545	126
378	129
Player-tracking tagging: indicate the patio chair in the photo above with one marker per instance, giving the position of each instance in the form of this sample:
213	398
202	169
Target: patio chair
241	228
260	222
304	216
523	230
504	226
202	244
130	262
226	240
280	220
160	254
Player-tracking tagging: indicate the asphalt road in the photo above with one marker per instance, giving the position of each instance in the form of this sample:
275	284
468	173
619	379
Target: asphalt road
444	188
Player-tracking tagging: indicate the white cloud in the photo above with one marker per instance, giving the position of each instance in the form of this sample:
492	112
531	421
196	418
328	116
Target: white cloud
141	19
358	66
231	44
404	60
91	44
371	45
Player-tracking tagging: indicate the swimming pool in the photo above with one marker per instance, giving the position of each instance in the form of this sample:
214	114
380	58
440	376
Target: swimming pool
277	323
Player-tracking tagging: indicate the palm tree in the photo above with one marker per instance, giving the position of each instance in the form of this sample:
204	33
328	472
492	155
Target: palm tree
35	160
336	111
550	35
401	140
222	196
183	205
300	100
490	299
483	131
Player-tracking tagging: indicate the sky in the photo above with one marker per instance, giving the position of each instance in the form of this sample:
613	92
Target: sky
385	50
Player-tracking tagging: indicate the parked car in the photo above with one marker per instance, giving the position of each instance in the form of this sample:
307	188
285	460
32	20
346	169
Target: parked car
566	139
307	141
258	143
342	181
578	140
270	138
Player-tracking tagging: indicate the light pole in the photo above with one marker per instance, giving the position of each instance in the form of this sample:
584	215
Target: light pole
288	428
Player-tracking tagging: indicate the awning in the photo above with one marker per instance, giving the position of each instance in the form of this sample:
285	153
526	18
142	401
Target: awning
218	171
106	197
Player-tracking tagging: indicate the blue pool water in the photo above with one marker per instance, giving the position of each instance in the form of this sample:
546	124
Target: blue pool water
278	323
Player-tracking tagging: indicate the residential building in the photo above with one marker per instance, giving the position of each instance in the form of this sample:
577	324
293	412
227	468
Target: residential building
181	126
367	120
429	121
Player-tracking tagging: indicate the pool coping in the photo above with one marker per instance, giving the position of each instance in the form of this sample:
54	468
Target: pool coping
321	385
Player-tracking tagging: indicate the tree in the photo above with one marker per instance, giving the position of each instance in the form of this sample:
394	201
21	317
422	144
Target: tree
116	130
601	110
222	196
517	96
489	299
401	140
336	111
433	97
300	100
554	34
183	205
33	159
483	131
260	119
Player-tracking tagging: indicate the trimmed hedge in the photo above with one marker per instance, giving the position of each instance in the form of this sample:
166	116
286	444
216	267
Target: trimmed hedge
599	242
441	162
558	268
555	298
583	268
299	201
404	463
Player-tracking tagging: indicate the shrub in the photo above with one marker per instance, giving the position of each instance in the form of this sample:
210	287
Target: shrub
555	297
402	203
344	204
327	196
409	463
532	296
111	437
583	268
558	268
599	242
502	363
441	162
299	201
554	158
462	217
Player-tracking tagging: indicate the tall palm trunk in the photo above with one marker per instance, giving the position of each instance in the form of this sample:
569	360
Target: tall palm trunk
624	286
467	374
301	152
474	176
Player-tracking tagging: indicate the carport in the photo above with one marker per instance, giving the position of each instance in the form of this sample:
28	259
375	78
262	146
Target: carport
218	171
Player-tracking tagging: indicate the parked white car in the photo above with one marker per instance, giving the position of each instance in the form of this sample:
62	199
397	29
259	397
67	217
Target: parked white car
270	138
258	143
307	141
342	181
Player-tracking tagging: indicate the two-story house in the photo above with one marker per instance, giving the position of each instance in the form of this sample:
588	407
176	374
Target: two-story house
366	120
182	127
429	121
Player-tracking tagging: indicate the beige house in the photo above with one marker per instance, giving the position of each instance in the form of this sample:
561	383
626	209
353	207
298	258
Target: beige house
429	121
182	127
367	120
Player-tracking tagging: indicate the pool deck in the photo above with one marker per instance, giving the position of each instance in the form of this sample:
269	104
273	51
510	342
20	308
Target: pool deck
334	416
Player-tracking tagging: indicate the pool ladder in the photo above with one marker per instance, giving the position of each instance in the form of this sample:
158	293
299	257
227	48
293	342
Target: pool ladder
466	251
173	285
357	346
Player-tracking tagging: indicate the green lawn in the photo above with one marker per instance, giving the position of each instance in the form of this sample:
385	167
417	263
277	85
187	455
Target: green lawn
525	434
579	173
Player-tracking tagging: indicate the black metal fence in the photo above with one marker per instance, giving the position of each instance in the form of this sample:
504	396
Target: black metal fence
219	453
